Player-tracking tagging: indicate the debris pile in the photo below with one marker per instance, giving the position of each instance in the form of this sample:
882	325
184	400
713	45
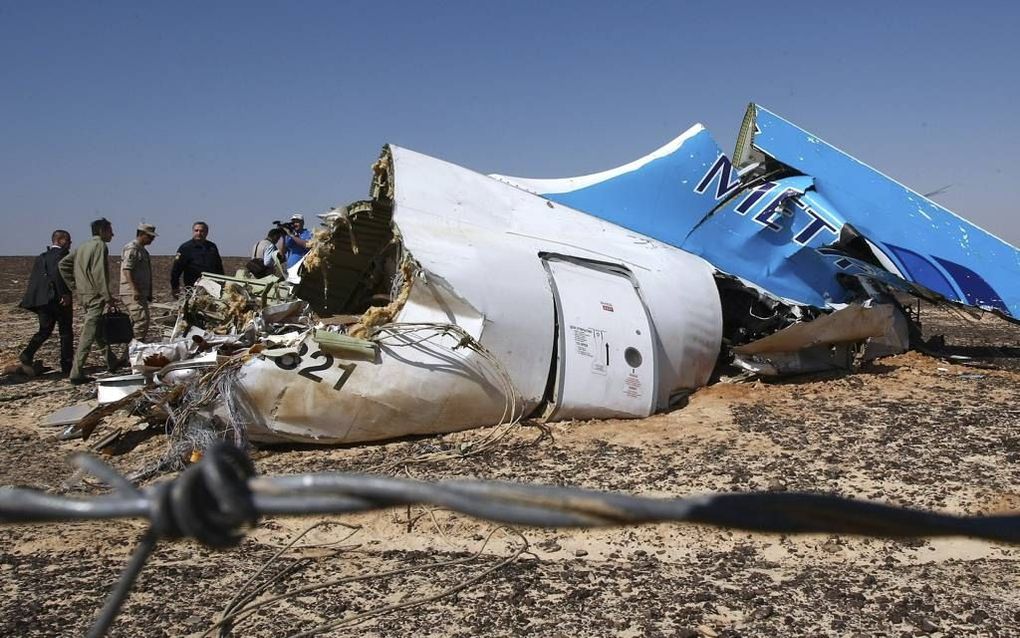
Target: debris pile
451	299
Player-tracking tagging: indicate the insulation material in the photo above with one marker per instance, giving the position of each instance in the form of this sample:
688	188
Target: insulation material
378	316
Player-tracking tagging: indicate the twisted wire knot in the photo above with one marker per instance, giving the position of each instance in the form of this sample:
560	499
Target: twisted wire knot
209	501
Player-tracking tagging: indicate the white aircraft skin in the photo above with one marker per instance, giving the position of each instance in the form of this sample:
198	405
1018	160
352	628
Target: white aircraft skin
533	289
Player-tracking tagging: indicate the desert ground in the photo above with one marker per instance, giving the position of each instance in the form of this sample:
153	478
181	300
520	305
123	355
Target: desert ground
924	430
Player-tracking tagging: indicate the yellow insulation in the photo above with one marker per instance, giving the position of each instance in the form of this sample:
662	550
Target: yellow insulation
318	250
381	315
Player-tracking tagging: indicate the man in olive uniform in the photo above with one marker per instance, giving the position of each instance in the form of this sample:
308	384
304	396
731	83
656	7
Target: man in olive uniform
85	271
194	258
136	280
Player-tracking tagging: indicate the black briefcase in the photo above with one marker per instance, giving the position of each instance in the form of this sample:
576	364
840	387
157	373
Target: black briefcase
115	327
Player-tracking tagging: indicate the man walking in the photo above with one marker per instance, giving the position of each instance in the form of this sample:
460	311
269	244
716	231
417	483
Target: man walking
50	298
194	258
85	271
136	279
297	240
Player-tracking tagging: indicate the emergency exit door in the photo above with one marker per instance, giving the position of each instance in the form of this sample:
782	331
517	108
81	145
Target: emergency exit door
605	355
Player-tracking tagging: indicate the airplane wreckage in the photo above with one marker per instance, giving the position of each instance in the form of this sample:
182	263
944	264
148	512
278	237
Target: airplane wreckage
452	299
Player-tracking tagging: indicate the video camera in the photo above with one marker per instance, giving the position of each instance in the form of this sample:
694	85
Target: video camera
285	226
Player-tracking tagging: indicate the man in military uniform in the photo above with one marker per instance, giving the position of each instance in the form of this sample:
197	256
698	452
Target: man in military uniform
194	258
136	280
50	298
85	271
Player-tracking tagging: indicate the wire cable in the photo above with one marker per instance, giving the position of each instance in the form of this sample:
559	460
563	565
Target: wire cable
214	500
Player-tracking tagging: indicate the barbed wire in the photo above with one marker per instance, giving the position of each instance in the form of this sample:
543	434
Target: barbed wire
214	500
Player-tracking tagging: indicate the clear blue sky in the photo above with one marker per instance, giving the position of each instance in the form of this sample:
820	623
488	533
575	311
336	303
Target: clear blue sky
243	112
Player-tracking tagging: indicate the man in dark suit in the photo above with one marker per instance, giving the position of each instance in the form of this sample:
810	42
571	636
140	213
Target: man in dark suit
50	298
194	258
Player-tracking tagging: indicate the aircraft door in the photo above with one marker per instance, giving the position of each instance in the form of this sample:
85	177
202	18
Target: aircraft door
605	354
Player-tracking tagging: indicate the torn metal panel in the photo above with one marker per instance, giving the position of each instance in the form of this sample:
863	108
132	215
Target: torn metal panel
433	301
452	299
816	359
925	243
852	324
484	238
772	236
70	415
110	389
183	372
450	275
763	229
415	376
284	312
830	342
782	217
423	380
895	339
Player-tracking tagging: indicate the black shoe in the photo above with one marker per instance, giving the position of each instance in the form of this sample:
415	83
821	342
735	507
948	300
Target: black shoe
116	364
80	380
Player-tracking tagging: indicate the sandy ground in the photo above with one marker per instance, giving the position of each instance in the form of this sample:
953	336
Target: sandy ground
913	429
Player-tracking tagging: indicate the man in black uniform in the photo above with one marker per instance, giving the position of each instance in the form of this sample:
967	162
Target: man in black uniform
50	298
194	258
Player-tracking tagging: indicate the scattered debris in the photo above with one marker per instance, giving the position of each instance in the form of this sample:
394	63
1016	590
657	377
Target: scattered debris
70	415
451	299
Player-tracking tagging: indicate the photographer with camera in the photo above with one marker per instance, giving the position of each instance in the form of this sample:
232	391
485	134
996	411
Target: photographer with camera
268	255
297	239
